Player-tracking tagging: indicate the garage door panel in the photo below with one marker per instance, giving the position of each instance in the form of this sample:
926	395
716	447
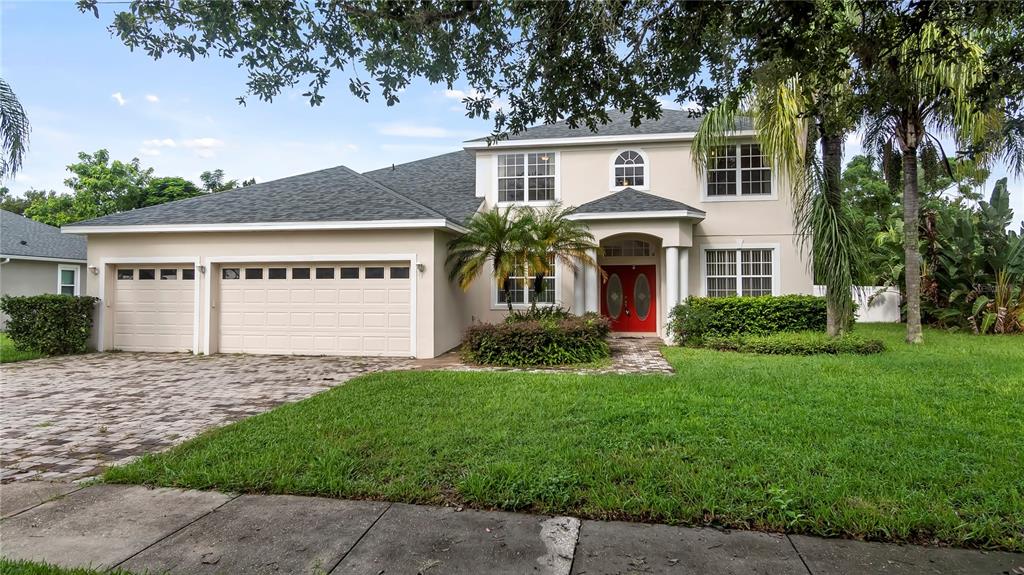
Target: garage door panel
153	315
319	315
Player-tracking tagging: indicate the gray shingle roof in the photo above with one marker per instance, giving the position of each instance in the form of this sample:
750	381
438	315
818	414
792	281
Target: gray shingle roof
20	236
671	121
334	194
446	183
630	200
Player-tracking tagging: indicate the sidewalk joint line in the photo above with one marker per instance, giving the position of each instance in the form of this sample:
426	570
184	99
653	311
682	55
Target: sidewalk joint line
799	554
353	546
55	498
575	547
172	533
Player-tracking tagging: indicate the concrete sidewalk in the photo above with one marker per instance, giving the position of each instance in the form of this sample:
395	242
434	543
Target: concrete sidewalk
168	530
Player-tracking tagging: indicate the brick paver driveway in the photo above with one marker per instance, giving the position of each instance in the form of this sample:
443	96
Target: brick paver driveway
69	417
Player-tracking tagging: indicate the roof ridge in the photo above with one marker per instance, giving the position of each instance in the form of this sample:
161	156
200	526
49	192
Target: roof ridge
399	194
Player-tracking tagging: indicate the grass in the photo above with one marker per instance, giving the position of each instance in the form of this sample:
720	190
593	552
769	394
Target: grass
918	444
12	567
8	354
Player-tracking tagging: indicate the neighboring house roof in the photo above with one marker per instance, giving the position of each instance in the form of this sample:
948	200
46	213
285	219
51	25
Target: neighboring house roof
670	122
634	201
333	195
22	237
446	183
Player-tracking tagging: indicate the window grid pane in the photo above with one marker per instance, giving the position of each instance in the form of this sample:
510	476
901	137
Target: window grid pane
756	270
722	172
721	273
756	174
521	291
629	169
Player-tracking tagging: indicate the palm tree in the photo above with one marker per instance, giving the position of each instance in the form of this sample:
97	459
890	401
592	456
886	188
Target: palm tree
791	115
14	131
497	237
512	240
923	90
556	239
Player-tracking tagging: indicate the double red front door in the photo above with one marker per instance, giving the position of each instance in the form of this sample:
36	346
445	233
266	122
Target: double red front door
628	298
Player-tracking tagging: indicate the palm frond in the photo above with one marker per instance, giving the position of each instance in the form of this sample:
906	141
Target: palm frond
14	131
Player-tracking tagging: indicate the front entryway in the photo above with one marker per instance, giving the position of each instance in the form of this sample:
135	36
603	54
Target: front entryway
628	298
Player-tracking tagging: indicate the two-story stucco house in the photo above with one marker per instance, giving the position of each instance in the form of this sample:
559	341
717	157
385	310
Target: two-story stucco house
337	262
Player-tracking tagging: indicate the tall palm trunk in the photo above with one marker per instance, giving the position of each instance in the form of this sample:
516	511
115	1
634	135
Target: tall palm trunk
837	290
911	252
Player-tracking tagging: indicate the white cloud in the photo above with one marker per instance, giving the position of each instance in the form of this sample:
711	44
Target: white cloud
204	147
152	98
409	130
670	104
149	152
352	147
119	98
158	143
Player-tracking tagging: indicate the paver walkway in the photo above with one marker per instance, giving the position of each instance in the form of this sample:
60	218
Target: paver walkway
69	417
202	532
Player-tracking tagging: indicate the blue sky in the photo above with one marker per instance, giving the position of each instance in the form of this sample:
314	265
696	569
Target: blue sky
84	90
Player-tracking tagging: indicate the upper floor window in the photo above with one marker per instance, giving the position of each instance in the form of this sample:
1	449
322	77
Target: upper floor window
629	168
526	177
751	175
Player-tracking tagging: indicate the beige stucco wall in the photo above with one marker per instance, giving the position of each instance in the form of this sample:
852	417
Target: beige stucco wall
584	174
30	277
264	246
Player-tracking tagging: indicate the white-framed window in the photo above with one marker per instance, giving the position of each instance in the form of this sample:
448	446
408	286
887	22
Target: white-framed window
629	170
527	178
68	280
740	272
739	171
522	292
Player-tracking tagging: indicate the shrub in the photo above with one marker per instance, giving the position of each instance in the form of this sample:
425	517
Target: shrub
547	342
700	317
50	324
538	313
795	343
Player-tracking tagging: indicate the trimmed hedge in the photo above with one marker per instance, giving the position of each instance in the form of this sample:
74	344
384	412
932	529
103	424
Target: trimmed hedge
701	317
533	343
50	324
795	343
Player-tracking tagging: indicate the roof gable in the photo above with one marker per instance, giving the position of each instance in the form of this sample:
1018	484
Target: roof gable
20	236
634	201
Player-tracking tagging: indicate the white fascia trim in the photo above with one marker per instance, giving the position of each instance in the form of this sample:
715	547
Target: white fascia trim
43	259
313	258
266	226
588	140
638	215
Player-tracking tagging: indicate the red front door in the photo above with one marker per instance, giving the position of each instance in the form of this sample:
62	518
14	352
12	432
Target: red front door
628	298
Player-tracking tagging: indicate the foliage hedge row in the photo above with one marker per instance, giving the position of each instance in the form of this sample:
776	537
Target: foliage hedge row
795	343
538	342
49	324
701	317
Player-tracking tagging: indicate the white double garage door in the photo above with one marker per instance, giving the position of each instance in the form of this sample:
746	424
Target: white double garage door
316	308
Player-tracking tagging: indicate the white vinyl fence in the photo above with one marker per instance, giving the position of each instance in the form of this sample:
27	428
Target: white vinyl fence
884	307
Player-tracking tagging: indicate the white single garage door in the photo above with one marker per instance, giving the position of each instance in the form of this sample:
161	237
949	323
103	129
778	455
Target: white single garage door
154	307
318	308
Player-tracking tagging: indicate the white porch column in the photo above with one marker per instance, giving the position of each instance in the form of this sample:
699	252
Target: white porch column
671	277
578	290
684	274
592	289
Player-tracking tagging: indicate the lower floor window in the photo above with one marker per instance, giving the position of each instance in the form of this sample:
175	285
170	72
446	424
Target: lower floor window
742	272
67	280
522	286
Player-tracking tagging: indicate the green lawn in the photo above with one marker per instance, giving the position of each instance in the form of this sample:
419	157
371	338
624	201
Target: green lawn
9	355
915	444
12	567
